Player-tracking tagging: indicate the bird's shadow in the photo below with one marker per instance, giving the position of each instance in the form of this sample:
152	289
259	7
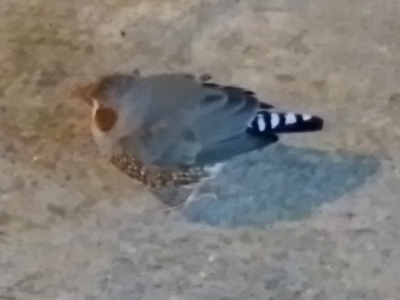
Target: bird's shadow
280	183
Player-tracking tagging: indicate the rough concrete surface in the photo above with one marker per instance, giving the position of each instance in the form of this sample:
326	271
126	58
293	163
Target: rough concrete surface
315	217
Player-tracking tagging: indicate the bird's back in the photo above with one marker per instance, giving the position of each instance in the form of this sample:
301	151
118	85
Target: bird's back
183	117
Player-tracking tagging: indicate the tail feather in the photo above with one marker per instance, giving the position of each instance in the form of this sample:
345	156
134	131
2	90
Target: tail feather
267	122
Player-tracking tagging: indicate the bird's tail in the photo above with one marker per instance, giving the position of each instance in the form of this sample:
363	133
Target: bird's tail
267	122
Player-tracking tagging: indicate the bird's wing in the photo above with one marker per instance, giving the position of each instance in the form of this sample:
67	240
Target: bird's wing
231	147
189	123
222	127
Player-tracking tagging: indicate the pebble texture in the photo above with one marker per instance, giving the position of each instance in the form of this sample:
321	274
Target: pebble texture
315	217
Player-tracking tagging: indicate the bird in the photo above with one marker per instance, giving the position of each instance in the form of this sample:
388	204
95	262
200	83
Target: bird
173	129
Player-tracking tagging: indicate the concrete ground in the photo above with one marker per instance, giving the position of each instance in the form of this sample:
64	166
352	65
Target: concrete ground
315	217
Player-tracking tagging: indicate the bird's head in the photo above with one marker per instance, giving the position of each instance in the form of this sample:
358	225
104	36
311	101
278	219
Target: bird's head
109	99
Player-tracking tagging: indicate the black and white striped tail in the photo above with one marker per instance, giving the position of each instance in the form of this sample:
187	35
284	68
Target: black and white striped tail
271	122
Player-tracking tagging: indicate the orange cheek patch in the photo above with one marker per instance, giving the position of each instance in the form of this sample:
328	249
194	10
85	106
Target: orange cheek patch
105	118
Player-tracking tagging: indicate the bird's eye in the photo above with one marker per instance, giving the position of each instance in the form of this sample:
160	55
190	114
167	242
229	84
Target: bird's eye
105	118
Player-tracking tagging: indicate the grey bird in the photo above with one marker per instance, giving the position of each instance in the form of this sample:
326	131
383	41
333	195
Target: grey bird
171	130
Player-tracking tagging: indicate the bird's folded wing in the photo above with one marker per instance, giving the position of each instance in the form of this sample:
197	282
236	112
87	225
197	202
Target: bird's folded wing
189	124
